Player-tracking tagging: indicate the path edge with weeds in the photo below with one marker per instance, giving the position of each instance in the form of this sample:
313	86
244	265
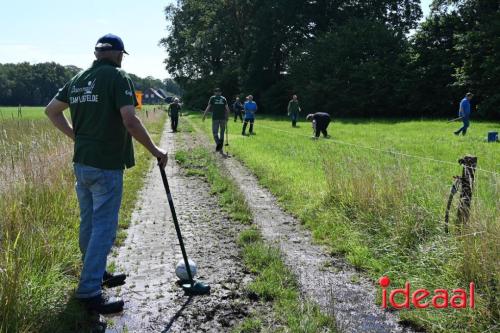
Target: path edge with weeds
273	281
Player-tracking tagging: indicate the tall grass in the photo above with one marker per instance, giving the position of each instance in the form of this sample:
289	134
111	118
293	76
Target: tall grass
384	211
39	254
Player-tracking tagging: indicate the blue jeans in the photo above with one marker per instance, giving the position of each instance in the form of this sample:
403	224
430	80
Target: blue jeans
463	129
99	194
295	117
218	125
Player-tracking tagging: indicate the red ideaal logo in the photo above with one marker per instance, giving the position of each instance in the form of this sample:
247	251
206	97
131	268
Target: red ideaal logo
439	299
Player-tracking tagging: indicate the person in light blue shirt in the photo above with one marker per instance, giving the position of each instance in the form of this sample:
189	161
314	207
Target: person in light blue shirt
464	112
250	107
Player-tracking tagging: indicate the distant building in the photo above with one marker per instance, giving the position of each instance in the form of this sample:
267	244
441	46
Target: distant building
156	96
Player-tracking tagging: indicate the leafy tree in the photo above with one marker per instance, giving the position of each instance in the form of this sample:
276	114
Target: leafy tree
32	84
36	84
357	58
355	70
434	60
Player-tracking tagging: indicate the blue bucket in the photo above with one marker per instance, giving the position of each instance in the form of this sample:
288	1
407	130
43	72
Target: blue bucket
492	136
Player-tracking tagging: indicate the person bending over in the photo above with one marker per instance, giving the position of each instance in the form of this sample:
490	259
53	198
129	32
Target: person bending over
320	122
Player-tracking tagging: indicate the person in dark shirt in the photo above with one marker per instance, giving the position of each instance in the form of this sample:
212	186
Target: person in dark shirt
320	122
294	110
173	111
102	104
238	109
217	104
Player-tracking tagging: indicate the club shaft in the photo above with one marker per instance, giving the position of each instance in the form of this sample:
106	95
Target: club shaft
176	224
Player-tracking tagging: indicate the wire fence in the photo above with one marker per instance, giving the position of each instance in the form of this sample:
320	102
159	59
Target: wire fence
425	158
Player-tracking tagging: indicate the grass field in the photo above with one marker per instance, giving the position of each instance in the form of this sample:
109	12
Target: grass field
39	255
383	210
27	112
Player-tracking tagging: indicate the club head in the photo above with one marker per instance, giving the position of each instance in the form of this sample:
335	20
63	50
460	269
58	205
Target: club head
197	288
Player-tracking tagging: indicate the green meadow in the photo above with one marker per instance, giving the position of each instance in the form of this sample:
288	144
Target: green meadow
376	193
25	112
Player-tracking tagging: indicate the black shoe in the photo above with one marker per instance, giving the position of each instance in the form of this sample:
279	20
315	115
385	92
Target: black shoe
218	147
456	133
113	280
102	305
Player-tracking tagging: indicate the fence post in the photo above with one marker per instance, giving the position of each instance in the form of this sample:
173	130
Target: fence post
469	164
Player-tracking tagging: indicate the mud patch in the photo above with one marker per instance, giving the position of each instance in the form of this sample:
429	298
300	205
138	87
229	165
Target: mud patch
153	300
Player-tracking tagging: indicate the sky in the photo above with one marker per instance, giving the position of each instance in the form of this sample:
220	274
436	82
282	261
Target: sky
66	32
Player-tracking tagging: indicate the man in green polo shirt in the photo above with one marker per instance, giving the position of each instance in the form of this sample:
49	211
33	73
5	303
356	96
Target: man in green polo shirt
294	110
102	103
220	114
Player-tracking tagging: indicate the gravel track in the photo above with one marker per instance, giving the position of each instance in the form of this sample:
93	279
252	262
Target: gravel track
153	300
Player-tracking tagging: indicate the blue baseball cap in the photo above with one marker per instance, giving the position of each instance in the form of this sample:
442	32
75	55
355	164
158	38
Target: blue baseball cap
110	42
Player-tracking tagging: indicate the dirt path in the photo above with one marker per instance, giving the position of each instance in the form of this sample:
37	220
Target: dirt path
329	281
153	301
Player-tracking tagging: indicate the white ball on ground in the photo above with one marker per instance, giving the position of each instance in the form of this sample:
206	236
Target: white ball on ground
181	272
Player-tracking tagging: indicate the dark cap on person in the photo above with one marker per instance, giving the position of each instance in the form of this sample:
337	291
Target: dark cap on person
110	42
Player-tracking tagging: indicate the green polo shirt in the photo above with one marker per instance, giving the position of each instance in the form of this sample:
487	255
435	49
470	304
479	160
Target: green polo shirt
293	107
218	107
95	97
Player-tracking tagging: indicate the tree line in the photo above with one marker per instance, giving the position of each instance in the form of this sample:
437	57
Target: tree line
36	84
349	58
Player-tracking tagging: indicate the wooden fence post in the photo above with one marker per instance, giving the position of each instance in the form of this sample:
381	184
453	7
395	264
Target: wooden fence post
467	185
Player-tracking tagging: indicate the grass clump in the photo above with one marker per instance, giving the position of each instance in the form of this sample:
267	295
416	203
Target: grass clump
249	325
276	283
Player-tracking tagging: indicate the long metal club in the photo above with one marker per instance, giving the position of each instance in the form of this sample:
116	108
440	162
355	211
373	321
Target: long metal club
193	287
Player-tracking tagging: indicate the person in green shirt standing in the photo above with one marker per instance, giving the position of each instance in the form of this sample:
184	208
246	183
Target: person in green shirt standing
294	110
220	114
102	104
174	109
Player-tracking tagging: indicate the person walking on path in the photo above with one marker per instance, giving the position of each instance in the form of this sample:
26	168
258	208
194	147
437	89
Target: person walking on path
464	112
294	110
173	111
250	108
102	104
320	122
220	114
238	109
